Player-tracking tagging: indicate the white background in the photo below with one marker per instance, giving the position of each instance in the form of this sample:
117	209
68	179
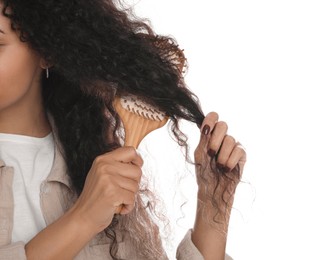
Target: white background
261	66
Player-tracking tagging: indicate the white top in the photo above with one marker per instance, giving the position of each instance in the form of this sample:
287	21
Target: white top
32	160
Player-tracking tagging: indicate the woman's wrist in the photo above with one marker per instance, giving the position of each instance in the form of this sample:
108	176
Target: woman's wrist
63	239
210	232
82	222
212	217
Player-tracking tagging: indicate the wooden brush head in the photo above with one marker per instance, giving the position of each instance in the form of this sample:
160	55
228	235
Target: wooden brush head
138	118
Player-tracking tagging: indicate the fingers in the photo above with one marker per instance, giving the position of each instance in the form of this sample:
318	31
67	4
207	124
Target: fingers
126	154
209	122
125	202
118	191
122	168
126	184
237	156
126	189
125	170
207	126
226	149
218	135
123	161
218	143
111	187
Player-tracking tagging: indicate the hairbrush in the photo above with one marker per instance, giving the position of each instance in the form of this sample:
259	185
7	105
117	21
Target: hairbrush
139	119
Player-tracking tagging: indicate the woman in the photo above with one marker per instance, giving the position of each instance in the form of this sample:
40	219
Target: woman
64	172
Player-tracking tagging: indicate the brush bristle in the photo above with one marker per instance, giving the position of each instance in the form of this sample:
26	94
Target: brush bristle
136	106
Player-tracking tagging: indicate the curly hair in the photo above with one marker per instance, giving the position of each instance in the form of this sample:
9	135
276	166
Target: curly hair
97	51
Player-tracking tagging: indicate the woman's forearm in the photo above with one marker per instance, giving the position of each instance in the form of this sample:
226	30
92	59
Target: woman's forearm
62	240
209	237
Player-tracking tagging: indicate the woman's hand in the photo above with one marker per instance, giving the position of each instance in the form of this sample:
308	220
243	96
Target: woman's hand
112	181
220	160
219	164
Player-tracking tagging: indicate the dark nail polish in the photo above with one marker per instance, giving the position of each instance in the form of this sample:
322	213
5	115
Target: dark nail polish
206	130
223	168
220	166
211	153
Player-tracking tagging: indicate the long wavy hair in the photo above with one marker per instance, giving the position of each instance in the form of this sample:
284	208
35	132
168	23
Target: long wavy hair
98	50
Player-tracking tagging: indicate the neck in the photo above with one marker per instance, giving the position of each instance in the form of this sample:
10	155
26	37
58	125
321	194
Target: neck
25	120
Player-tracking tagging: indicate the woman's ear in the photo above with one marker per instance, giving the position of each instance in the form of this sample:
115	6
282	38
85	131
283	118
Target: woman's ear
44	64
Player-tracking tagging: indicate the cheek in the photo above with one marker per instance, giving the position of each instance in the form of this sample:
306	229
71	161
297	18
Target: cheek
18	71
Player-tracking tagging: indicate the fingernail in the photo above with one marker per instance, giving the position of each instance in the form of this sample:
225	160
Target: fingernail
211	153
227	169
206	130
223	168
220	166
